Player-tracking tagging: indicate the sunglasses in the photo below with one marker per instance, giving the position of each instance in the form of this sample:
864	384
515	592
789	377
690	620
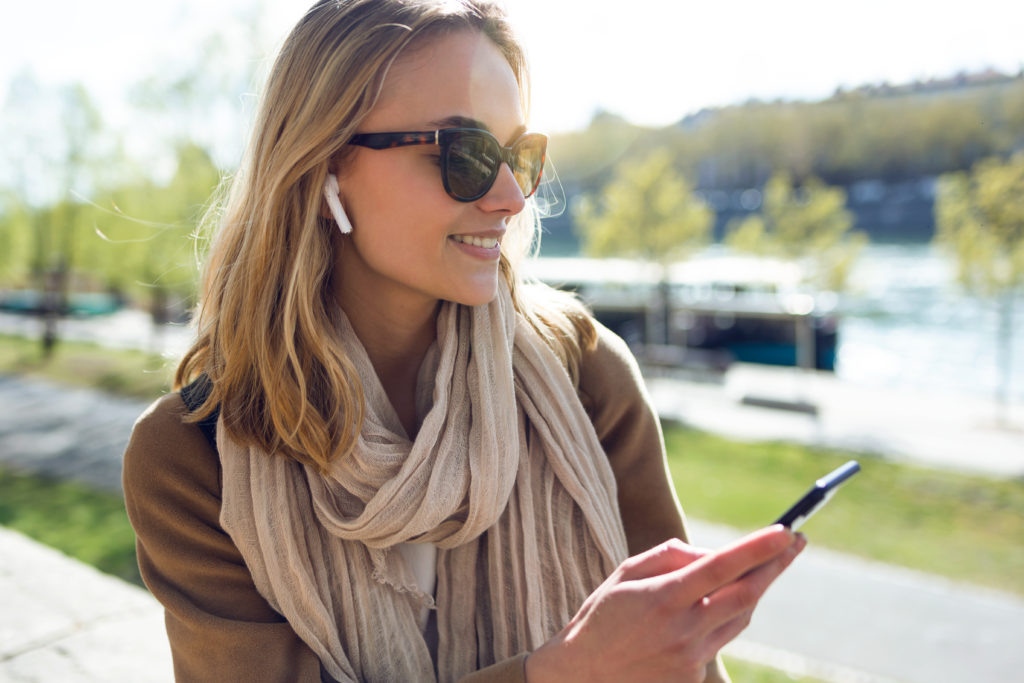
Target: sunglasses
471	157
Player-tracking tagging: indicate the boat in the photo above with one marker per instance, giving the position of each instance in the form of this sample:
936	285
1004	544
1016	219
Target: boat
77	304
721	309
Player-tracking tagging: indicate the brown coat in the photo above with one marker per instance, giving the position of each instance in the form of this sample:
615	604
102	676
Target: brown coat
221	629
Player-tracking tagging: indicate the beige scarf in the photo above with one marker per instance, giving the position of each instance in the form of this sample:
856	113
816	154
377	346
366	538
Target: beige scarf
506	477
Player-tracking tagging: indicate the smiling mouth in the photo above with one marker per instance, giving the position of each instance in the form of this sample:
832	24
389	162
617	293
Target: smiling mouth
485	242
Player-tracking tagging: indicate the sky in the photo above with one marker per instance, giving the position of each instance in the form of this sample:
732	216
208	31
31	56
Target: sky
651	61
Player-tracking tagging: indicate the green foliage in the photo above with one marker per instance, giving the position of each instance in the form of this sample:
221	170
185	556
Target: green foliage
144	230
879	134
82	522
134	239
648	210
16	229
980	220
78	214
809	224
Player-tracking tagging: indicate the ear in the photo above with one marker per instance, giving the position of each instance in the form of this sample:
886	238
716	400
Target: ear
331	194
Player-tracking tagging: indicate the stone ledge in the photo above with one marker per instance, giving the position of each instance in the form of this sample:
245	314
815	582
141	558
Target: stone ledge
64	620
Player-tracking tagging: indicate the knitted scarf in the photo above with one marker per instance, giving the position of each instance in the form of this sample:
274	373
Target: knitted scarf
506	477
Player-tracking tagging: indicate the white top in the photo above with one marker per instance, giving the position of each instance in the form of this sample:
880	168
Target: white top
422	561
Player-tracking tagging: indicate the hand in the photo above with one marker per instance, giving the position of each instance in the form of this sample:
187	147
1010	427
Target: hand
664	614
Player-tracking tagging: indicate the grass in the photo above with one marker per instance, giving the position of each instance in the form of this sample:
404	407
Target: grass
76	519
962	527
741	671
136	374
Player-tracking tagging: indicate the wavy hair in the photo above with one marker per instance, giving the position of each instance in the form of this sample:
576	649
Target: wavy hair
266	339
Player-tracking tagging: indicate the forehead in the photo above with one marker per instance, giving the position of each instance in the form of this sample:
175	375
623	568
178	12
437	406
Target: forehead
461	73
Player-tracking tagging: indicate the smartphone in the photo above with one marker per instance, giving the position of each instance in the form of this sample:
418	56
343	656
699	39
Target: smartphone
815	499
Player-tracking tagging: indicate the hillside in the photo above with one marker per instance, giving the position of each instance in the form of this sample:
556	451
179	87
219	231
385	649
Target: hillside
885	144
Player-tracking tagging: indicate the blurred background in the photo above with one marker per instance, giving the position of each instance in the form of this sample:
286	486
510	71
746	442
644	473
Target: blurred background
806	218
119	119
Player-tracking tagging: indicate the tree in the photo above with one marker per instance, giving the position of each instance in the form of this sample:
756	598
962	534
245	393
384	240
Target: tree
15	239
980	220
144	230
649	211
809	224
80	130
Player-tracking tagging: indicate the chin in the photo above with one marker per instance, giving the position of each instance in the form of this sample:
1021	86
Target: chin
477	296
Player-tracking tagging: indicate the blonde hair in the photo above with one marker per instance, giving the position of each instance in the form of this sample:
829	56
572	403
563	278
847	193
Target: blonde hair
266	341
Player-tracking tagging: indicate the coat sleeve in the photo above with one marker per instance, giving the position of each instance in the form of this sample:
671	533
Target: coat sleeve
613	393
219	627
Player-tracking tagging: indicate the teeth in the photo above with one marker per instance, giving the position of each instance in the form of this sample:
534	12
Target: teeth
486	242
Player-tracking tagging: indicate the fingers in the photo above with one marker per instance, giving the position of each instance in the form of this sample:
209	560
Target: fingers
667	557
681	605
742	596
714	570
724	614
732	607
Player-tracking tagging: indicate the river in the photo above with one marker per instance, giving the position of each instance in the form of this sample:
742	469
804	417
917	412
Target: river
906	323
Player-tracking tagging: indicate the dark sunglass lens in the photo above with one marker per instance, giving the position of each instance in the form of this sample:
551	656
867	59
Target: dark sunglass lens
471	164
528	162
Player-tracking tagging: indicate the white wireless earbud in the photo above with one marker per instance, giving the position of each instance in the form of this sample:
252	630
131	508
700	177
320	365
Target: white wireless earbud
334	203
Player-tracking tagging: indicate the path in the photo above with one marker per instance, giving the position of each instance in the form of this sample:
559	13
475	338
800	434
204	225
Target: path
958	433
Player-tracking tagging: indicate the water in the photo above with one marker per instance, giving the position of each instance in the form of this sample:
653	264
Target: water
908	324
126	329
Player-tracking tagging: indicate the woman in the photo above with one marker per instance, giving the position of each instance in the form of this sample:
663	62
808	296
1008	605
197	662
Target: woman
417	466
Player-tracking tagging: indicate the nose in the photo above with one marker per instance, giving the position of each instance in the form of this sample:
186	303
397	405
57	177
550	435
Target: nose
505	194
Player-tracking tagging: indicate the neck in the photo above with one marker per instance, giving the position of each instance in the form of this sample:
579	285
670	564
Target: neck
396	336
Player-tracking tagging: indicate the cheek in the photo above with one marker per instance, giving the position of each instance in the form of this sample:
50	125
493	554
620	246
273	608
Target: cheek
392	184
399	213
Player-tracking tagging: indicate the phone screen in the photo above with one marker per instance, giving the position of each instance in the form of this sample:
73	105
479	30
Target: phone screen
817	496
